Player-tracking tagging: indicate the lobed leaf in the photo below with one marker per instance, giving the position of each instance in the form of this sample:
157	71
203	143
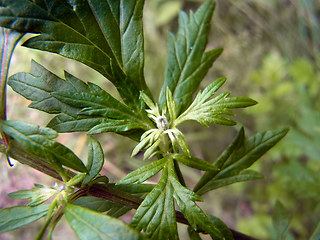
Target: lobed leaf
218	223
117	126
89	224
37	195
242	176
94	101
156	214
80	106
186	201
240	155
145	172
236	143
205	110
194	162
251	150
37	140
105	35
187	62
15	217
79	123
40	83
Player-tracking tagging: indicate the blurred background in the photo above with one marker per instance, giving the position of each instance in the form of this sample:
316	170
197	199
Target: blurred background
271	54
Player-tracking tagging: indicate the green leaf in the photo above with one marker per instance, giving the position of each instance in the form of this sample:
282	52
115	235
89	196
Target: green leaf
79	123
239	156
192	212
37	140
145	172
156	214
105	35
89	224
222	227
37	195
194	162
187	62
118	210
280	221
193	235
95	160
15	217
242	176
237	141
8	41
149	140
94	101
181	140
136	188
252	149
80	106
118	126
316	233
93	203
205	110
40	83
147	100
171	105
101	205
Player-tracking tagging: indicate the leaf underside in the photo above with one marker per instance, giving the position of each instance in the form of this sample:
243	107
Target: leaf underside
15	217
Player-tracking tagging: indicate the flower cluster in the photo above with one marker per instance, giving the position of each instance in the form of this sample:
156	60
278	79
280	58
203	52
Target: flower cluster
163	139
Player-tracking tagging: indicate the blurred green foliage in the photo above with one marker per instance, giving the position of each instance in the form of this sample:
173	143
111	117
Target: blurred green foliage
288	94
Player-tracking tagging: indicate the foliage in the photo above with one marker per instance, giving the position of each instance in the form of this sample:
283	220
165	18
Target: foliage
295	86
291	87
108	37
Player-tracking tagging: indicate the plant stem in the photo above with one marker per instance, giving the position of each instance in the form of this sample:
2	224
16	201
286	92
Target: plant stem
9	39
44	228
